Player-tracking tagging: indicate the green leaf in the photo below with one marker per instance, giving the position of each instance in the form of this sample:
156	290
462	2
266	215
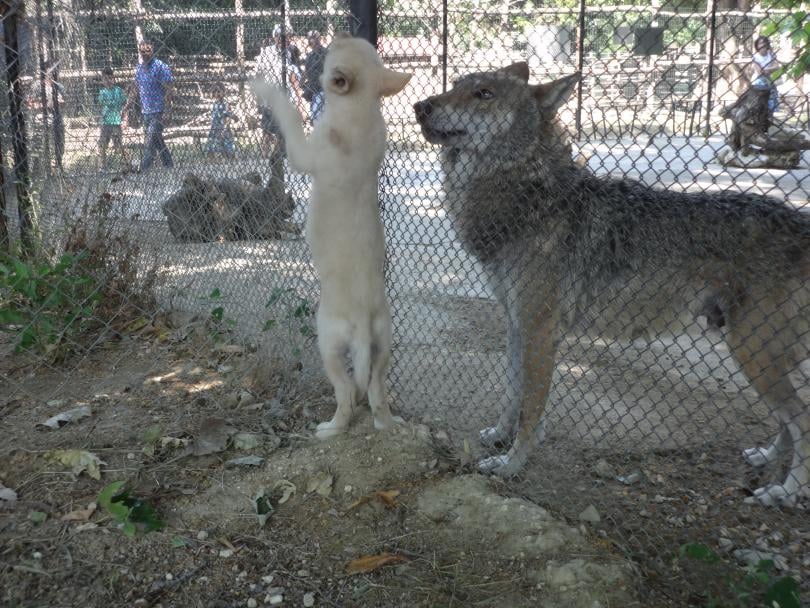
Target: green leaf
178	542
765	565
10	316
768	29
268	325
275	296
216	314
107	492
215	294
37	517
783	593
700	552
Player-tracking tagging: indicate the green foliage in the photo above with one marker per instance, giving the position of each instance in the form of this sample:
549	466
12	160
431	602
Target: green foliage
299	311
218	324
797	26
753	587
45	304
131	512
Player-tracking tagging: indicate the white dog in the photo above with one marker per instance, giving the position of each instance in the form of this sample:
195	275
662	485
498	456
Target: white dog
343	229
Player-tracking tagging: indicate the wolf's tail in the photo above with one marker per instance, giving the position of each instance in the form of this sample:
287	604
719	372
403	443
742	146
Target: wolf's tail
362	358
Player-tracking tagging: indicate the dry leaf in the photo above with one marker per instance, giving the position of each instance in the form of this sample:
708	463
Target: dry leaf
80	514
246	441
212	437
245	461
387	497
320	484
369	563
61	419
287	489
79	461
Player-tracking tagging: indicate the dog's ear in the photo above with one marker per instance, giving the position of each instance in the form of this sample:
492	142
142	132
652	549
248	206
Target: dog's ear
392	82
340	81
551	95
518	70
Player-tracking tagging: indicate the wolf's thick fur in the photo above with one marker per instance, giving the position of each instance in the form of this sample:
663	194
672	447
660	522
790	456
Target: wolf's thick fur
344	231
561	247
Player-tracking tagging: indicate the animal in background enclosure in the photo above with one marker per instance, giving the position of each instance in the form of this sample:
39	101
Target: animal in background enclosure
565	249
343	155
205	210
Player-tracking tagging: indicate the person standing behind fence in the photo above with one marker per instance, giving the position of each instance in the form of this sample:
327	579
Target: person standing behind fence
313	68
154	84
273	62
112	100
763	65
220	136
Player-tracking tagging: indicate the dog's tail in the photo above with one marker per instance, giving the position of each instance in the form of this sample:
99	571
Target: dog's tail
289	121
362	358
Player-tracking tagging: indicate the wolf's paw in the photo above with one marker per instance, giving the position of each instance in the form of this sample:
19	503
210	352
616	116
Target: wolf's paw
384	425
759	457
777	495
503	465
493	436
327	430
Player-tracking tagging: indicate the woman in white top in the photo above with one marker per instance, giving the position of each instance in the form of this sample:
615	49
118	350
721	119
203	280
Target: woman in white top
763	64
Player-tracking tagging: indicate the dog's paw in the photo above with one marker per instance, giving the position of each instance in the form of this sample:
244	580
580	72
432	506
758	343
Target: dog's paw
777	495
493	436
327	430
384	425
759	457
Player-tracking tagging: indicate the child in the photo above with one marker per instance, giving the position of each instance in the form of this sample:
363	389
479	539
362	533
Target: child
220	137
112	99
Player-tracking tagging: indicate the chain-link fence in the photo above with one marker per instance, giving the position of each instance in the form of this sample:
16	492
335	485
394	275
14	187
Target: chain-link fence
587	266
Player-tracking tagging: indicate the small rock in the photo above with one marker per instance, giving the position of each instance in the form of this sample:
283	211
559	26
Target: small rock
660	499
169	576
231	400
251	603
644	513
202	535
267	579
442	436
604	469
725	544
751	557
302	573
630	478
130	456
273	600
347	489
309	600
225	552
590	514
37	555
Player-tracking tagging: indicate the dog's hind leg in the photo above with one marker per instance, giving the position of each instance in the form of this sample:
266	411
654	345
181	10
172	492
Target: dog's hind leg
380	356
333	339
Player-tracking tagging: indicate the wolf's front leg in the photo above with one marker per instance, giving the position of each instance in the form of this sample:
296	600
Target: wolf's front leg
538	356
298	148
504	431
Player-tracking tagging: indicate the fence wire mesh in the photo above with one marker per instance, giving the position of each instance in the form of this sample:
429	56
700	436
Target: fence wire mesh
591	299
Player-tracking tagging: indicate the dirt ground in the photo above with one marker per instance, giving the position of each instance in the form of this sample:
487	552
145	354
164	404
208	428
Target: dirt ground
169	409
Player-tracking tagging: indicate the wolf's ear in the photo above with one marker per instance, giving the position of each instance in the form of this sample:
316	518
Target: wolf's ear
343	35
392	82
518	70
551	95
340	81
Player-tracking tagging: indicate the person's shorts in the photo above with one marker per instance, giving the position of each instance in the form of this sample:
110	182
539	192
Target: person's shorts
269	124
109	132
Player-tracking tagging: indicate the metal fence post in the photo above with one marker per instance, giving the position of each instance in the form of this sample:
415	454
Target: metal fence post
19	139
363	19
710	57
580	65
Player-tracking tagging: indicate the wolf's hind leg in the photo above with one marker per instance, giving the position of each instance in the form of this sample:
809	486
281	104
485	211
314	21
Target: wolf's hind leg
759	457
796	420
332	341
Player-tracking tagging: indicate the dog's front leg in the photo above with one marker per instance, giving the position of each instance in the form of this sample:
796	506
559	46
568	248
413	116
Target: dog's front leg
539	329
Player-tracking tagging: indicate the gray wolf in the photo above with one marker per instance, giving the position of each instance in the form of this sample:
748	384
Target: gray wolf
562	247
344	232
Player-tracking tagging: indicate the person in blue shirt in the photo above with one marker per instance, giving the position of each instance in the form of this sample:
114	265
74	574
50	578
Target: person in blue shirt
153	81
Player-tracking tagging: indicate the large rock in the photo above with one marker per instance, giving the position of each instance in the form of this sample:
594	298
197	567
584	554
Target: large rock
205	210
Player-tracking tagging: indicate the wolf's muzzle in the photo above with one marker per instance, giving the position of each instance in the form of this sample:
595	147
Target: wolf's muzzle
423	109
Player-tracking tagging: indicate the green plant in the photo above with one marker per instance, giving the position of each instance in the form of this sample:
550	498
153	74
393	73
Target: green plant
754	586
298	316
218	324
130	511
47	305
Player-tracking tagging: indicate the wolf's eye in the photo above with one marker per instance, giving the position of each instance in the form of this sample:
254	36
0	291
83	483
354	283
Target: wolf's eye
339	82
484	94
